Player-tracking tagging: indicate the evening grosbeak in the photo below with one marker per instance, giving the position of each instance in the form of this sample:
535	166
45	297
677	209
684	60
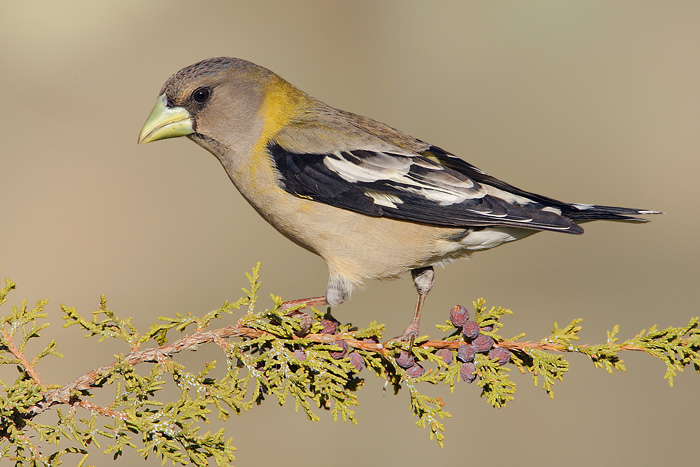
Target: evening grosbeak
373	202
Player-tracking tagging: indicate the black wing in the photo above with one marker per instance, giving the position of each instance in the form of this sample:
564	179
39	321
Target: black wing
413	188
575	211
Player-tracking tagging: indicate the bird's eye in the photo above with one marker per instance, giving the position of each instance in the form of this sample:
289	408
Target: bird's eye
201	95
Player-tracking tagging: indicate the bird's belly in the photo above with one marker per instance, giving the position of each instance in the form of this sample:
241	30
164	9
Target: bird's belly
359	247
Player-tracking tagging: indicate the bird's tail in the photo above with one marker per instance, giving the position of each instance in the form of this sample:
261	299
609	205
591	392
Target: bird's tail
591	212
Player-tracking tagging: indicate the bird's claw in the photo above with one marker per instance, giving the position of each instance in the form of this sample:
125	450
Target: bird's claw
409	335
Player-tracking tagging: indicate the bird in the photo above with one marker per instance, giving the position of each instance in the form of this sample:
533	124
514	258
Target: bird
372	201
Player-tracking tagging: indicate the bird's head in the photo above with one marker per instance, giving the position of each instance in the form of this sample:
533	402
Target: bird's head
219	103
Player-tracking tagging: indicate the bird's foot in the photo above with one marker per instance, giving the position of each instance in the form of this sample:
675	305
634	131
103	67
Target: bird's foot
409	335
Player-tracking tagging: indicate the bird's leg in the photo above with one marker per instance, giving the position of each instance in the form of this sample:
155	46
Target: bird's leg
423	278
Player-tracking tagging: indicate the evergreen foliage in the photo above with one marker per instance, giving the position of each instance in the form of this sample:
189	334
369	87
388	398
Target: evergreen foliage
277	354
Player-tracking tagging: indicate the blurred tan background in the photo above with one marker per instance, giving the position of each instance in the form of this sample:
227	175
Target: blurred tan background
592	102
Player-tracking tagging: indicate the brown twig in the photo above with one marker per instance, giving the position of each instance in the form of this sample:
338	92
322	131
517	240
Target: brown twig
28	367
100	410
36	453
218	336
303	303
158	354
555	347
523	346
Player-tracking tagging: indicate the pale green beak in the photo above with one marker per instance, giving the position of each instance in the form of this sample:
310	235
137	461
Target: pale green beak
166	122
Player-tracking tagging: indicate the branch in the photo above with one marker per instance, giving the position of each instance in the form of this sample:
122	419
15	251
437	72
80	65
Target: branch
24	363
196	339
282	353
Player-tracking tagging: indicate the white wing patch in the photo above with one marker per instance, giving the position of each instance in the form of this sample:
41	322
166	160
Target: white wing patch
434	184
384	199
507	196
443	198
385	168
552	209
